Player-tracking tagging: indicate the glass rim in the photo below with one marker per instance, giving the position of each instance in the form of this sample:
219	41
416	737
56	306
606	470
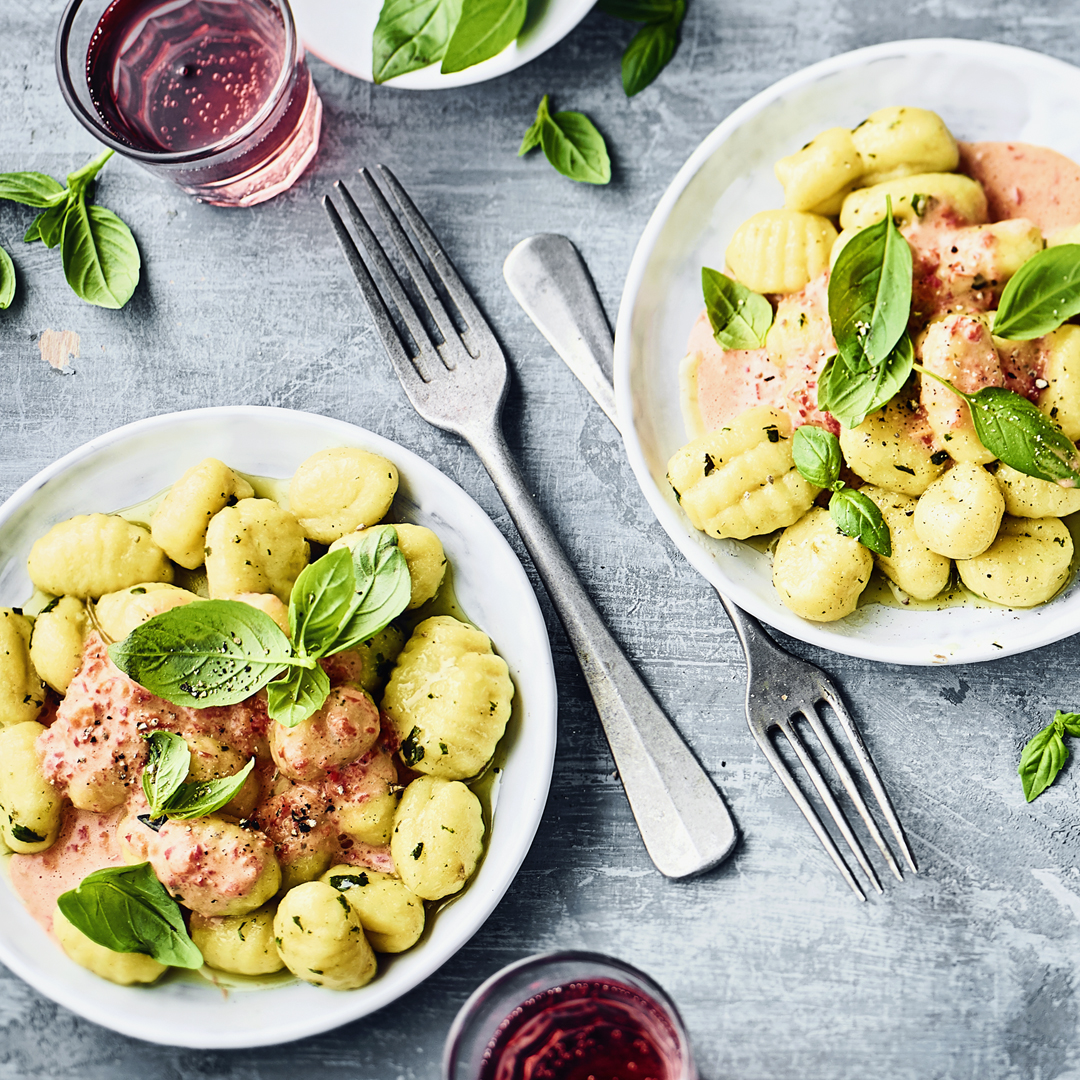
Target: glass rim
92	121
555	956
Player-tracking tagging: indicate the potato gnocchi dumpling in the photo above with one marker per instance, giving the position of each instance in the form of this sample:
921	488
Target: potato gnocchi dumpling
1060	400
93	554
126	969
779	251
1026	564
912	566
29	805
448	699
818	572
117	614
899	140
1029	497
392	916
240	944
340	490
22	693
56	644
741	481
885	451
914	197
958	516
369	820
824	168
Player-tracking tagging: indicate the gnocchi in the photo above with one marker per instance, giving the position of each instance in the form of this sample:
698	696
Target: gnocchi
779	251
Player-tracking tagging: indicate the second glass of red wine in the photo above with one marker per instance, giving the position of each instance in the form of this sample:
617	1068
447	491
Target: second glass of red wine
568	1016
213	94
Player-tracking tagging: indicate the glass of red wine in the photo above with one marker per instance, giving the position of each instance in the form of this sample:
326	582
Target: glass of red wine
213	94
568	1016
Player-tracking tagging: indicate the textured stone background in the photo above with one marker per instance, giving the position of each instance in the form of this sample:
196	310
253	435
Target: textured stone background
968	970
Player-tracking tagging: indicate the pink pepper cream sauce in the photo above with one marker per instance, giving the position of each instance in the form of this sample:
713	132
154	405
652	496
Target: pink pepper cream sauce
94	752
1020	181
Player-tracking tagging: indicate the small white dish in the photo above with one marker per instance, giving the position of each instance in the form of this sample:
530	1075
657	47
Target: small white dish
133	463
339	32
983	91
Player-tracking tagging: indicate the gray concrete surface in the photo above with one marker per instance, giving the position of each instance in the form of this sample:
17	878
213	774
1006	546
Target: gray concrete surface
968	971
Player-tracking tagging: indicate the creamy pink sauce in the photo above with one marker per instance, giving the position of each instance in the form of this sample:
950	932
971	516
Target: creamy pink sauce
1021	181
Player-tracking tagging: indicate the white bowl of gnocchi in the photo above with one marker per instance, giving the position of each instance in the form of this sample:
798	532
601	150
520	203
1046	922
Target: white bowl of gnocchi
350	857
990	97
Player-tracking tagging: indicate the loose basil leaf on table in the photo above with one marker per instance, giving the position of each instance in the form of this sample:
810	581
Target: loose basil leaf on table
855	515
48	226
870	294
1041	295
571	143
126	909
1045	754
483	30
7	279
202	797
101	260
411	34
817	455
32	189
650	51
851	396
739	317
166	769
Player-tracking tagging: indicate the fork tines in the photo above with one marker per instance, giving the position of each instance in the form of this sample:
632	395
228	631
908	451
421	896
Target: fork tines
768	709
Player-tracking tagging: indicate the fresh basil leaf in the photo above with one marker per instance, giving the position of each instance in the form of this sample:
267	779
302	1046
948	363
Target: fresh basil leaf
850	396
649	51
101	261
643	11
126	909
1041	760
300	693
32	189
531	139
320	602
216	652
7	279
817	455
870	294
1067	722
48	226
166	769
411	34
205	796
383	586
573	145
1041	295
80	178
485	28
1020	434
855	515
740	318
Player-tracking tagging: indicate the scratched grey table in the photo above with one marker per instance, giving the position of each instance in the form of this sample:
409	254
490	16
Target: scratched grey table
968	970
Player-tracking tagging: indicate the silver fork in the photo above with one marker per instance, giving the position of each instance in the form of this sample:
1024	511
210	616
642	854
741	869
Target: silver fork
549	280
458	384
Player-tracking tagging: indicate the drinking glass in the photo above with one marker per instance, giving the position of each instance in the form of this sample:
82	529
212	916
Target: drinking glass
562	1010
213	94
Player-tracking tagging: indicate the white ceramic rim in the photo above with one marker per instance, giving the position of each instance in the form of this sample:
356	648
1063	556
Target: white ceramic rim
309	1010
343	40
1042	625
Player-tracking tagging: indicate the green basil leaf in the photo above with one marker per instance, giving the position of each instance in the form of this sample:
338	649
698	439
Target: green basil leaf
166	769
320	602
344	882
1041	760
7	279
32	189
531	139
648	53
25	835
1020	434
215	652
126	909
1041	295
411	34
740	318
857	516
383	586
205	796
300	693
101	261
817	455
643	11
1067	722
78	180
851	395
573	145
870	294
48	226
485	28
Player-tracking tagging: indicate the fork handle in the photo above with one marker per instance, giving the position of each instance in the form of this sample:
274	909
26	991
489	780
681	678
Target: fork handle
683	821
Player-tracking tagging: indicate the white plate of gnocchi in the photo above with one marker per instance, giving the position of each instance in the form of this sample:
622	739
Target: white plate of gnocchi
945	129
291	854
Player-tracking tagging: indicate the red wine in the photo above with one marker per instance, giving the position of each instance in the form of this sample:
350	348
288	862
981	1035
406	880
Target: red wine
181	75
593	1029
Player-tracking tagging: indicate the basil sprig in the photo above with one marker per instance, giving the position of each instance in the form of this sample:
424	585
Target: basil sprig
163	781
219	652
1046	753
851	396
1041	295
126	909
411	34
100	258
818	459
570	142
739	317
653	46
7	279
